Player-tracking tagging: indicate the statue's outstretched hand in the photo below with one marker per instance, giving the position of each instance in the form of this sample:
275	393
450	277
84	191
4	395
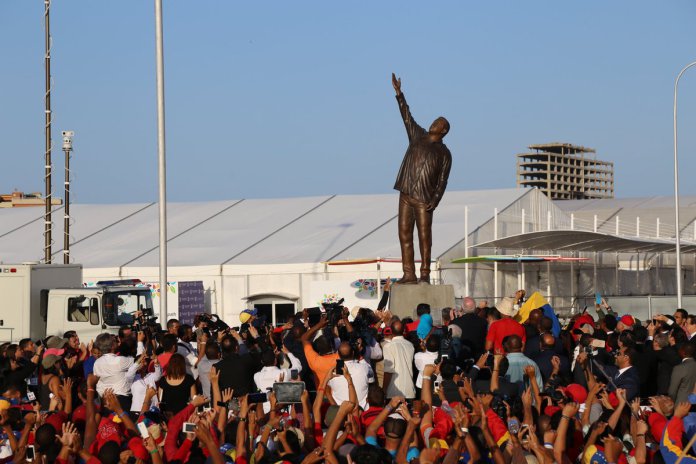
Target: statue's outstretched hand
396	83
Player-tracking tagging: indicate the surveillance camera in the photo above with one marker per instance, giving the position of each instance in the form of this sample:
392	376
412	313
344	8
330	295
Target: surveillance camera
68	133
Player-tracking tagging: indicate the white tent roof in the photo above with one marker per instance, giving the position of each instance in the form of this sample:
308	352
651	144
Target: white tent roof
636	216
263	231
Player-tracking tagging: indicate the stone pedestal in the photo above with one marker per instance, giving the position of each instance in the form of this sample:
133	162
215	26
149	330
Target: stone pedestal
403	299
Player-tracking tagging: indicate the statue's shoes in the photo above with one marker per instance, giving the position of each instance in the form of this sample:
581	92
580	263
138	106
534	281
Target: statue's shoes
407	280
424	280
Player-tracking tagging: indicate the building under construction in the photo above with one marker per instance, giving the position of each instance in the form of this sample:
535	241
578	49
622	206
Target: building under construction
565	172
21	200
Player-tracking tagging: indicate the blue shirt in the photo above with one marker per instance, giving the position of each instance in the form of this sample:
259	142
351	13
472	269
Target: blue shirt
425	325
88	365
515	373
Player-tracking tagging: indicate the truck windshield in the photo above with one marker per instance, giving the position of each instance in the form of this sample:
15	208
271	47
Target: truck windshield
120	306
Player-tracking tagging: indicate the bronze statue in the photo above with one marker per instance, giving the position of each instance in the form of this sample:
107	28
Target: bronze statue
421	180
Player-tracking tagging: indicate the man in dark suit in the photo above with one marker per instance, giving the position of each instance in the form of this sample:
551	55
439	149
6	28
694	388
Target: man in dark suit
683	375
544	358
623	375
237	370
473	330
666	356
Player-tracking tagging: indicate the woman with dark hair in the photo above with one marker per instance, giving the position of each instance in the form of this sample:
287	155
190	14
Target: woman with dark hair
178	387
50	380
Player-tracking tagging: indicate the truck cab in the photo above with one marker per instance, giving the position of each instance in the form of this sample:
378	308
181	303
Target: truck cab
93	310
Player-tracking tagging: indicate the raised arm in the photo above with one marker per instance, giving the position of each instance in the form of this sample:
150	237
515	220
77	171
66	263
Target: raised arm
412	128
308	336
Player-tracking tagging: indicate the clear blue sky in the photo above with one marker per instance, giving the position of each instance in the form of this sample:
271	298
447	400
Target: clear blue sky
275	99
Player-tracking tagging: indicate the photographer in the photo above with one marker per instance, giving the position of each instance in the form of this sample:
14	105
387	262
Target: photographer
319	353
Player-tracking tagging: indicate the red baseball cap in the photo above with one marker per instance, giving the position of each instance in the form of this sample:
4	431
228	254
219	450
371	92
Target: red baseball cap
576	392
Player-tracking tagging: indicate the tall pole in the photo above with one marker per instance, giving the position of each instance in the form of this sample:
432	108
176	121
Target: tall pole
162	164
48	223
676	190
67	148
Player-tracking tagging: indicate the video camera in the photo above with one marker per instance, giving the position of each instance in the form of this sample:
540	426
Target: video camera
334	312
146	323
213	324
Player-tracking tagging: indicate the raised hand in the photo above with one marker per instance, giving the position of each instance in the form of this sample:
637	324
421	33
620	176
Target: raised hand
570	409
315	456
641	427
621	395
199	400
429	370
481	363
67	386
92	381
582	358
555	363
149	394
530	371
214	375
227	394
682	409
403	410
69	434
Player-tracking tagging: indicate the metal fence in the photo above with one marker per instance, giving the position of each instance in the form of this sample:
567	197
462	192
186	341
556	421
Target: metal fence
641	307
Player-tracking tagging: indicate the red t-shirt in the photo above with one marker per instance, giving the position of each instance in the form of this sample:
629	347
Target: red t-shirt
501	329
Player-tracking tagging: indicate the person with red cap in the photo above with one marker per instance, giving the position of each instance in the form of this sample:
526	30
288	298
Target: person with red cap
626	322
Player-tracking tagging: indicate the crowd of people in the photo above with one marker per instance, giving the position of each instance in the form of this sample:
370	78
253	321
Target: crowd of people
486	385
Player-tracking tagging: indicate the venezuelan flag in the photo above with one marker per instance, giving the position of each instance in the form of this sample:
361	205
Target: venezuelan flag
536	300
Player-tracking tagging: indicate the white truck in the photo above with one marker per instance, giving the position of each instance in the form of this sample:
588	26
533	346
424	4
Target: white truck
38	300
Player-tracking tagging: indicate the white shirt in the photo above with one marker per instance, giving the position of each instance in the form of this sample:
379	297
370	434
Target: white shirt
268	375
421	360
621	371
398	360
373	352
115	372
189	352
361	373
139	388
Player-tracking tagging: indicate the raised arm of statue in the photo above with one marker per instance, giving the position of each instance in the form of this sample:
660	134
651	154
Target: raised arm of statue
412	127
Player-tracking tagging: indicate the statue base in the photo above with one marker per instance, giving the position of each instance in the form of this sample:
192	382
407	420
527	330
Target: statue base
403	299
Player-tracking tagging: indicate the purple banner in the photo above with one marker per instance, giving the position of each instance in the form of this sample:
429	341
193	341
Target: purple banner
191	300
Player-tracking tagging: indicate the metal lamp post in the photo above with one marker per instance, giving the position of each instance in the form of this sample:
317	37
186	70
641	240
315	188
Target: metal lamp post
67	148
676	190
162	165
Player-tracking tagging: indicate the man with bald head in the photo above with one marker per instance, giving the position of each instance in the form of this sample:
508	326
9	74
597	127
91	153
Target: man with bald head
398	364
545	361
360	373
473	330
518	362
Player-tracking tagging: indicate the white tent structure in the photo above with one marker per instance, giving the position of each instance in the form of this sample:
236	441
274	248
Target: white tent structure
281	254
249	250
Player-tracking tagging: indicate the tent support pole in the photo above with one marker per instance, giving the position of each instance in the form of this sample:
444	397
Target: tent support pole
495	264
466	250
